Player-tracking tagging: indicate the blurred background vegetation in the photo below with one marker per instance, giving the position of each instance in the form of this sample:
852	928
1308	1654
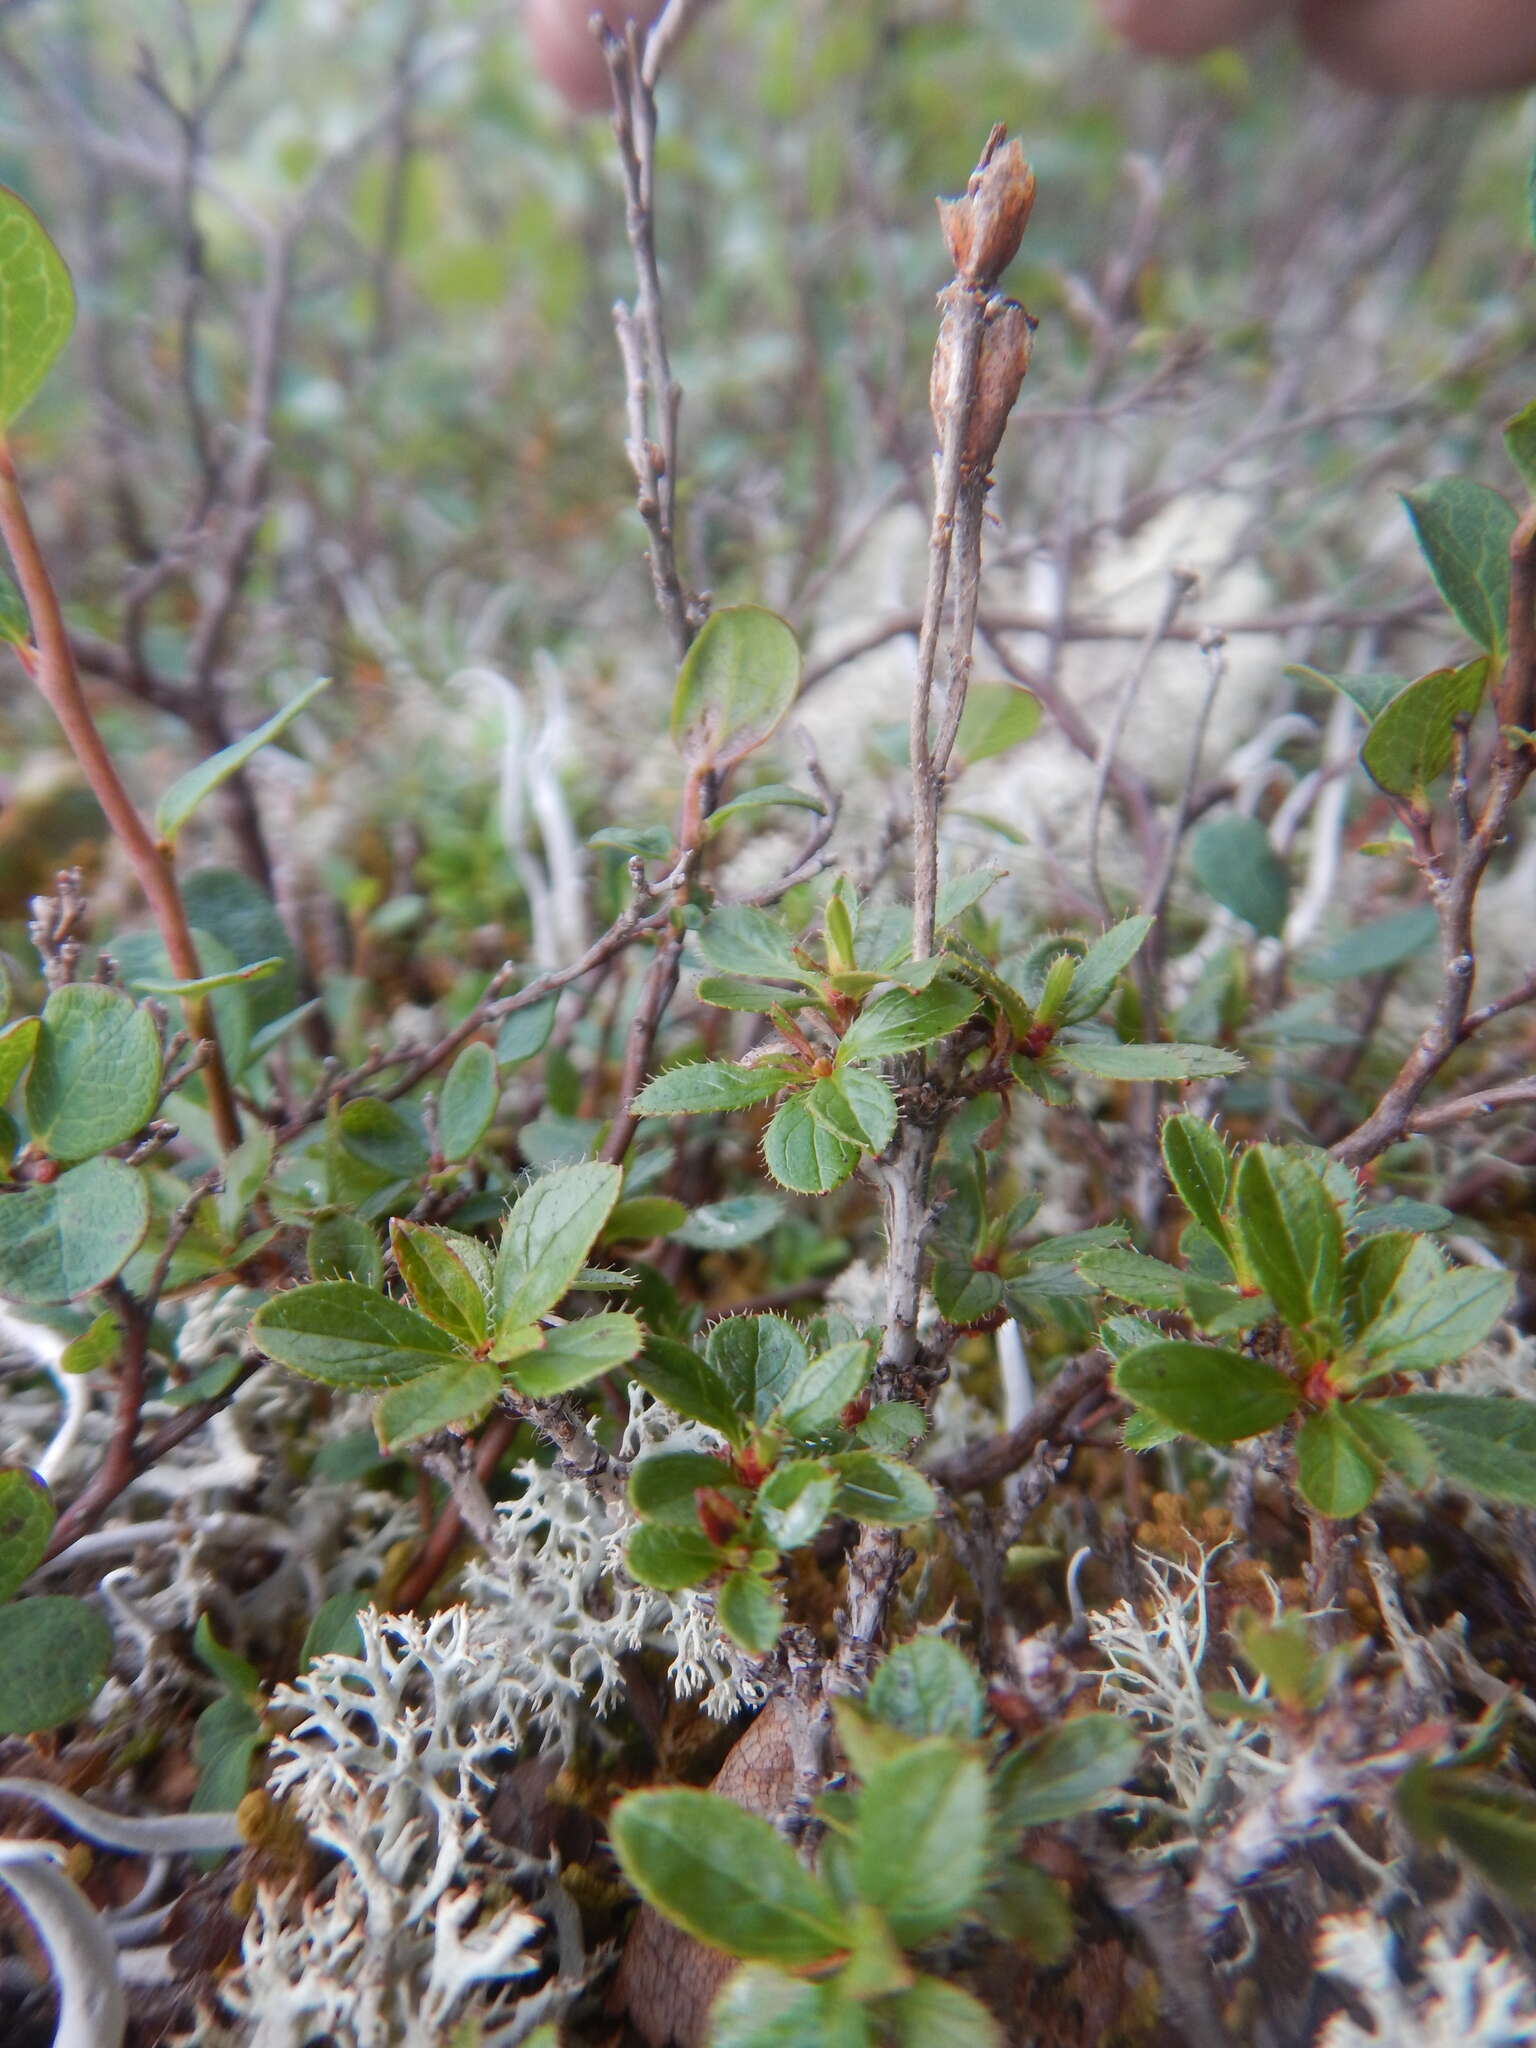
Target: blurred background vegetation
1261	299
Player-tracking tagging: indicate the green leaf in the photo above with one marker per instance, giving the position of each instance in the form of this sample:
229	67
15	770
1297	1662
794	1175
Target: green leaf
348	1336
641	1217
1373	948
1095	975
1291	1234
455	1396
823	1390
1464	530
997	716
37	305
225	1738
1401	1213
1370	692
342	1247
1206	1390
188	791
1105	1060
18	1042
546	1237
750	1611
468	1101
1131	1276
95	1077
245	1172
1391	1441
736	939
235	913
1441	1325
524	1032
334	1630
892	1427
761	2008
926	1687
708	1088
856	1106
388	1136
94	1347
15	626
933	2014
758	1359
725	1226
1520	443
1235	865
725	1876
1484	1443
60	1239
905	1020
234	1672
766	796
577	1352
1411	742
1491	1824
793	1502
663	1485
956	896
882	1491
677	1375
1070	1769
923	1841
758	998
440	1284
670	1558
649	841
1200	1169
57	1650
26	1523
1333	1468
802	1154
737	680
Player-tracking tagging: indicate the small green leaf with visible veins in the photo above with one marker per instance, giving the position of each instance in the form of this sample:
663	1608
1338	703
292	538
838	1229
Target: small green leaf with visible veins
905	1020
95	1077
468	1101
1411	743
577	1352
1206	1390
884	1492
737	681
57	1650
802	1154
348	1336
670	1557
440	1283
37	305
61	1239
750	1611
726	1876
26	1523
1464	530
546	1237
458	1396
708	1088
1333	1468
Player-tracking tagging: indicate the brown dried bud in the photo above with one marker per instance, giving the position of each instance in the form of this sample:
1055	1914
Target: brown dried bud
1007	341
984	228
719	1516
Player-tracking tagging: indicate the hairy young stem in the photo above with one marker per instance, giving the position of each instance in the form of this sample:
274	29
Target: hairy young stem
58	680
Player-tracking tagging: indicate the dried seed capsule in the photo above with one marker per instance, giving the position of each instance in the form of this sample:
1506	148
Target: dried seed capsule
1007	341
983	229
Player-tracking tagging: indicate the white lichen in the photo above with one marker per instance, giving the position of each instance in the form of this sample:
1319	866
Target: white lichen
1468	1997
388	1767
